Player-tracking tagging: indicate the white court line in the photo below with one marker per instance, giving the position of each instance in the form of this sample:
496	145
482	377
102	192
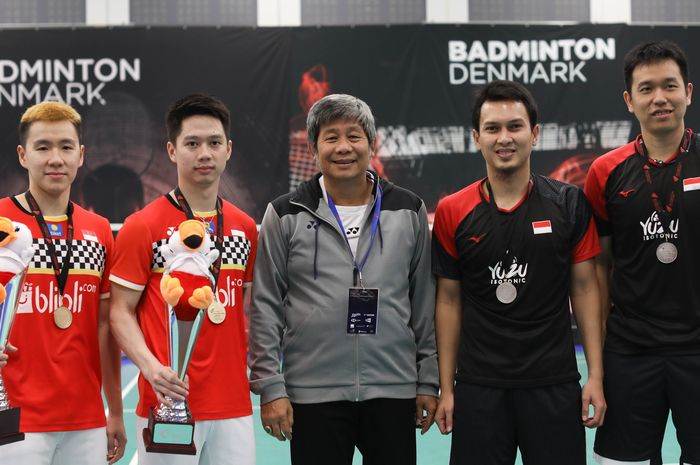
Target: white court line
127	389
134	459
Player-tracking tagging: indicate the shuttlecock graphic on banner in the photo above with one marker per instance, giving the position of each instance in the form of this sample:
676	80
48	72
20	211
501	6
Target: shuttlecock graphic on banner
186	282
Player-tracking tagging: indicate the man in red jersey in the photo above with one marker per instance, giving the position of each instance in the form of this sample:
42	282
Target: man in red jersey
646	197
66	353
510	252
217	392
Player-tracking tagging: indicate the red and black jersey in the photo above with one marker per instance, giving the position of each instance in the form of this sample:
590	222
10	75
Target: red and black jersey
656	306
527	342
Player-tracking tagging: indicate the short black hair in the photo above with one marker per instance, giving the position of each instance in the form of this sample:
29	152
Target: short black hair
192	105
653	52
498	91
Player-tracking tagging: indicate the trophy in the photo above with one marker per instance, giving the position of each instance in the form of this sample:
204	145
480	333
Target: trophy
170	427
9	416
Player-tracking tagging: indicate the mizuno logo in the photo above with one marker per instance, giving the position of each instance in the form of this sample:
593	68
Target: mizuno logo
477	239
625	194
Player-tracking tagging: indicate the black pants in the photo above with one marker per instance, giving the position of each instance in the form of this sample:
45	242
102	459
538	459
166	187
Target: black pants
640	390
382	429
490	424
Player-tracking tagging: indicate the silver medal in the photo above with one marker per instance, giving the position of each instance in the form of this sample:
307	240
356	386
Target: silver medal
506	293
667	252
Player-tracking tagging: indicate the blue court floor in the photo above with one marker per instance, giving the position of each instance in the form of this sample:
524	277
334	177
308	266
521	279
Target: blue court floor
433	448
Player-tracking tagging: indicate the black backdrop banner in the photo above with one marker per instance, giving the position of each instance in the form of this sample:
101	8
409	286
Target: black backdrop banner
122	82
419	81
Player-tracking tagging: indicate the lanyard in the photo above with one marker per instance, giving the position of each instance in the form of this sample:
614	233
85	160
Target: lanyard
664	211
219	244
61	271
506	243
375	223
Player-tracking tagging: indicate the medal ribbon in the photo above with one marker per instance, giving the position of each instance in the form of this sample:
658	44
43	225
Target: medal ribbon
664	212
507	245
375	223
215	267
61	271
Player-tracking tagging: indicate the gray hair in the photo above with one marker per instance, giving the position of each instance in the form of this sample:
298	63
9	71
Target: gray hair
339	107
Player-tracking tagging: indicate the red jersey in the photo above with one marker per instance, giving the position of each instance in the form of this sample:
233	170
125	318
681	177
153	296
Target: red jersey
217	371
55	375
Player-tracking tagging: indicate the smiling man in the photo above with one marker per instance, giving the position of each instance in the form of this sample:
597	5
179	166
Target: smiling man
218	393
65	350
341	328
646	196
510	252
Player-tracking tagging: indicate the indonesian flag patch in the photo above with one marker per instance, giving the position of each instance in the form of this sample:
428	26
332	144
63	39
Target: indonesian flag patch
542	227
691	184
90	236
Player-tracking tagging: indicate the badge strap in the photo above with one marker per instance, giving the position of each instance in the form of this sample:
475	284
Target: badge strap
60	270
357	272
664	211
215	267
506	243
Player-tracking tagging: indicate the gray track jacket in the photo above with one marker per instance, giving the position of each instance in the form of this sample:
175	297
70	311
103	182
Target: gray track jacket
299	346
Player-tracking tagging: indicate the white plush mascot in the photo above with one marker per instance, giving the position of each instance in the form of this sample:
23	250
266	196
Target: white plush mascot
186	283
16	251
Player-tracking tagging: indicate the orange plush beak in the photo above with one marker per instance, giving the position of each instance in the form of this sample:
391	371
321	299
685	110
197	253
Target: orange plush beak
192	234
7	231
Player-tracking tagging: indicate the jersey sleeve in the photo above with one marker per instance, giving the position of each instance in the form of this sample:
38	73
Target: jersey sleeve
108	240
252	232
589	245
585	242
133	255
594	189
444	249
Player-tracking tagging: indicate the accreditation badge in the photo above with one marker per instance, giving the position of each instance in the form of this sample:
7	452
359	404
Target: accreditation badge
362	310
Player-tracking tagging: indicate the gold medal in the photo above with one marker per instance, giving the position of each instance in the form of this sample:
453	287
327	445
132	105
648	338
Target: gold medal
62	317
216	312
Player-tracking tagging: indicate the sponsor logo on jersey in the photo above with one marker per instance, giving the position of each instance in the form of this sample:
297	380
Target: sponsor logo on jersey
56	230
226	292
477	239
542	227
171	230
653	229
313	224
515	273
626	193
38	298
691	184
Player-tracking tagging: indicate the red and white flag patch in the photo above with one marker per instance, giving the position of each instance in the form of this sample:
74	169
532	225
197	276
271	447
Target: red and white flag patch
542	227
90	236
691	184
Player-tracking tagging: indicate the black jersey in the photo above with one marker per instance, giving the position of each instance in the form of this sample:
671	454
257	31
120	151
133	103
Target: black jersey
527	342
656	305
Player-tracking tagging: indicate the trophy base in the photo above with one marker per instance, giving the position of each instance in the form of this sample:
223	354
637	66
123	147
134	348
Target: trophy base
166	437
9	426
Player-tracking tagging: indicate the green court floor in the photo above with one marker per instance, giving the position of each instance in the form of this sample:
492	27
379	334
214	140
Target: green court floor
433	448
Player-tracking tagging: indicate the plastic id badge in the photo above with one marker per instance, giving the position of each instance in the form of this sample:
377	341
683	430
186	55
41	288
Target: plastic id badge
362	310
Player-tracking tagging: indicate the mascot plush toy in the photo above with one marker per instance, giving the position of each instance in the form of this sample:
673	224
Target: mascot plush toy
16	251
186	283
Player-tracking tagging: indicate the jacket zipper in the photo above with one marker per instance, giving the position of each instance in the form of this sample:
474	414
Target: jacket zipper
357	341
